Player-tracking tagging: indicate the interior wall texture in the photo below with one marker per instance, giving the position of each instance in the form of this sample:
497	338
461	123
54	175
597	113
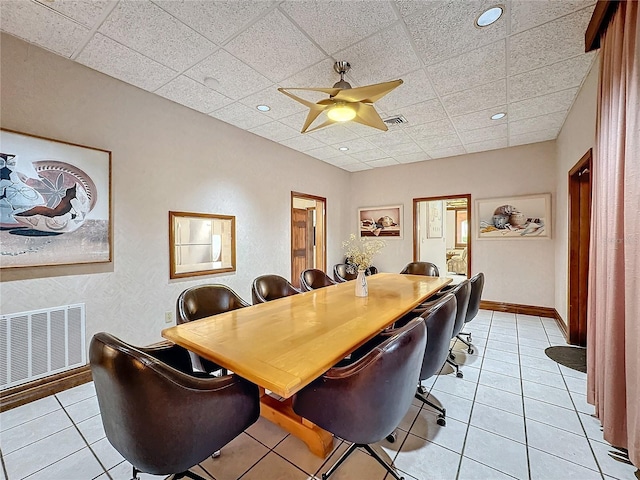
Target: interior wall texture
164	157
576	138
516	270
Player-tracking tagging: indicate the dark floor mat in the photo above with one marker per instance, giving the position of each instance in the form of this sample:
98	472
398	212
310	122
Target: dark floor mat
571	357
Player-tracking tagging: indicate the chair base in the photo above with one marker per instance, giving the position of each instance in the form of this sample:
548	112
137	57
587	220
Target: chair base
370	451
421	394
176	476
459	373
467	342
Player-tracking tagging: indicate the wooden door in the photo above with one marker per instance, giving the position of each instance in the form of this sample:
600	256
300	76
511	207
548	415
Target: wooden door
579	238
298	244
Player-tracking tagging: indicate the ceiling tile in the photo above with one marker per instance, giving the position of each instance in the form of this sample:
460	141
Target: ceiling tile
424	112
365	131
552	121
483	65
355	146
425	131
302	143
381	58
402	149
480	119
445	29
476	99
549	43
146	28
534	107
439	143
83	11
296	120
447	152
275	47
389	138
235	79
486	133
275	131
341	160
409	7
241	116
370	155
347	21
118	61
533	137
486	145
321	74
326	152
356	167
281	106
40	25
416	88
526	13
550	79
335	134
217	20
190	93
412	158
383	162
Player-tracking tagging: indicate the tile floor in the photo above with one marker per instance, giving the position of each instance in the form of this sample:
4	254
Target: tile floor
515	414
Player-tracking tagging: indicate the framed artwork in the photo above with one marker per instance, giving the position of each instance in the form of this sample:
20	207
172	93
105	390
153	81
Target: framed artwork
55	202
380	221
201	244
435	219
520	217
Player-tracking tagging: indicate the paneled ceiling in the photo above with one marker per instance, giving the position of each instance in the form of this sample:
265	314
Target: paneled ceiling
223	58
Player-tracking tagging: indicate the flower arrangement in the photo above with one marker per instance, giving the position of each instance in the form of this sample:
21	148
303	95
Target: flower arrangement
360	252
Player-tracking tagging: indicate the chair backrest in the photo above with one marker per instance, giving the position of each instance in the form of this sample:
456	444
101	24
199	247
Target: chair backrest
365	401
160	418
371	270
477	285
342	274
462	292
421	268
313	278
440	319
271	287
206	300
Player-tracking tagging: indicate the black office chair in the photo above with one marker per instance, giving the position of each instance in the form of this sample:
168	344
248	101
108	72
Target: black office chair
364	401
421	268
343	272
477	285
313	279
159	415
204	301
271	287
369	271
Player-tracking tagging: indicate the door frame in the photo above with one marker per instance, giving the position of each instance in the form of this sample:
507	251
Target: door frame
579	235
442	197
320	225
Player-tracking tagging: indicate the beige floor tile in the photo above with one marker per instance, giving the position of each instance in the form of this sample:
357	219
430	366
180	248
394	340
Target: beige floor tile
423	459
237	457
267	432
274	467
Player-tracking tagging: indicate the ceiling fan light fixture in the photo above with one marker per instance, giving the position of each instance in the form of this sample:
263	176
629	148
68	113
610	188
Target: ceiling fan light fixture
489	16
341	112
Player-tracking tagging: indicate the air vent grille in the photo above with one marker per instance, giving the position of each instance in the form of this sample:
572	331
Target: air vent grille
395	120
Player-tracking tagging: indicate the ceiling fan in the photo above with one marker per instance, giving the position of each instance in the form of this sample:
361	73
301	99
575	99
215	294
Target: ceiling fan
345	103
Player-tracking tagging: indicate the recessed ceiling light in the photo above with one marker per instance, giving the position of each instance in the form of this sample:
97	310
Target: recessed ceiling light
498	116
343	149
263	108
211	82
489	16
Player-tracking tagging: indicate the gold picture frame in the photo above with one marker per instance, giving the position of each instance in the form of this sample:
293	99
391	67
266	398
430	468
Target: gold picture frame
201	244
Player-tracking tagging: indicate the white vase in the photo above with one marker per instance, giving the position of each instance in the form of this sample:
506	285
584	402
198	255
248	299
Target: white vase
362	290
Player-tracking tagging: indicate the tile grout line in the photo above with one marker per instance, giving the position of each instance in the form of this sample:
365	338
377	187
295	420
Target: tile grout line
524	412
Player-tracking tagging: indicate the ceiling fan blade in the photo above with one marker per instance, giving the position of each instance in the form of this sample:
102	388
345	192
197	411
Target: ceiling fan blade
367	115
314	112
368	93
306	103
328	91
322	125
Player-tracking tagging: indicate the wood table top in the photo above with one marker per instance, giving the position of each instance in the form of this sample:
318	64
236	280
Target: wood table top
284	344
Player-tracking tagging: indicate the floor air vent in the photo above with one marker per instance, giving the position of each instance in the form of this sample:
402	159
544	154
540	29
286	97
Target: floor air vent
39	343
395	120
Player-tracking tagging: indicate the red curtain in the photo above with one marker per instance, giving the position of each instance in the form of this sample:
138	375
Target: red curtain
613	358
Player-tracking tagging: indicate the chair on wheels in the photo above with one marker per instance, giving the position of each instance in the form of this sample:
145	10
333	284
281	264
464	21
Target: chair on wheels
313	279
271	287
364	401
204	301
158	414
421	268
477	285
342	273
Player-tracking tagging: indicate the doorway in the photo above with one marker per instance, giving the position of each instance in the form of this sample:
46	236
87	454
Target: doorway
579	239
308	234
442	234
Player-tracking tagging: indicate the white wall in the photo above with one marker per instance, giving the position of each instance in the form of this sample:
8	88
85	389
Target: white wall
576	138
517	271
164	157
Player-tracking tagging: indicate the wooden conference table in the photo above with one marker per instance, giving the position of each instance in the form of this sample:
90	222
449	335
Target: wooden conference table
285	344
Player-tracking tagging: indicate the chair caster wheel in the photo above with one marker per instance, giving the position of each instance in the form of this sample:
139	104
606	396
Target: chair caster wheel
459	374
422	390
216	454
470	351
470	339
452	356
441	421
392	437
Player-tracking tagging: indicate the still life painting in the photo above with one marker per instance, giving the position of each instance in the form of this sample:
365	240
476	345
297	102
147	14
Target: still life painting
380	221
54	202
514	217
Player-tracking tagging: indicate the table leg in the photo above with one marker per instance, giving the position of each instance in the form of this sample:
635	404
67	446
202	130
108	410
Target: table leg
280	412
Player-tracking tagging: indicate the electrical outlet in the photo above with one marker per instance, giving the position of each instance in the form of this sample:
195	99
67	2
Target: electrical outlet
168	317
